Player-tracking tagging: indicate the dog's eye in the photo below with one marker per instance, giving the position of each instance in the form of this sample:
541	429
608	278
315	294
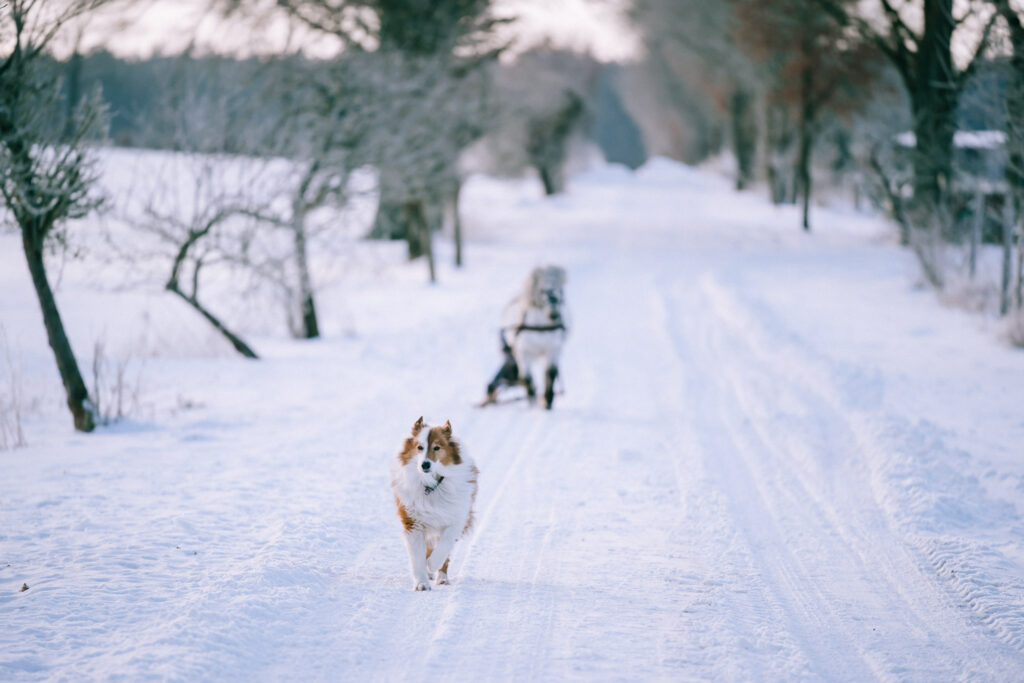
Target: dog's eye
437	448
420	447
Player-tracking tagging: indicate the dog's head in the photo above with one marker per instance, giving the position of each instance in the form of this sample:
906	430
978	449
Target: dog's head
431	450
545	289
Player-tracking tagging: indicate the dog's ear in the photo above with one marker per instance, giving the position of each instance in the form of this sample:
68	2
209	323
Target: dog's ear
417	426
447	428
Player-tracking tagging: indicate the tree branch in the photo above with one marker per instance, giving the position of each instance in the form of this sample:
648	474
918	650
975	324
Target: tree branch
972	66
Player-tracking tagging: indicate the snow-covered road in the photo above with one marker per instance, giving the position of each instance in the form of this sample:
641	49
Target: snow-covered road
774	459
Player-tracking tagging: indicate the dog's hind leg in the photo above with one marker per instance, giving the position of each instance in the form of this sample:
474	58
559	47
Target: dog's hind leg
549	385
441	577
416	544
438	559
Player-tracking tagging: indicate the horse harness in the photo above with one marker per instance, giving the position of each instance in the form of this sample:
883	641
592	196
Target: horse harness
523	327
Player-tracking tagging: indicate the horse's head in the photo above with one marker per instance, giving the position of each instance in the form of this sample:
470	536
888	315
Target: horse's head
547	291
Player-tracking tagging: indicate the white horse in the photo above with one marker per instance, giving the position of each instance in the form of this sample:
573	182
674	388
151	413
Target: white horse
535	325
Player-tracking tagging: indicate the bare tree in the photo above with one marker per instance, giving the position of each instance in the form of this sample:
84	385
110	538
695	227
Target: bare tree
695	65
192	234
811	68
1015	99
429	113
426	57
195	201
47	174
545	101
323	131
922	54
1015	131
240	194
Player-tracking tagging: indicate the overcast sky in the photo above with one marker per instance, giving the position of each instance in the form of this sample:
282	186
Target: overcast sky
141	28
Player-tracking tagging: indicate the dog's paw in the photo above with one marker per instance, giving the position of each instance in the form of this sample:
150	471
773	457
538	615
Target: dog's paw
421	586
441	580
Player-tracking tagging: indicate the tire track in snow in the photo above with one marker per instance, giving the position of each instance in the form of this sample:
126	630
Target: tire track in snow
734	610
806	526
902	496
786	586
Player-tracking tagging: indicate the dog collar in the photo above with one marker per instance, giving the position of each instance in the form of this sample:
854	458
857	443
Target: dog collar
427	490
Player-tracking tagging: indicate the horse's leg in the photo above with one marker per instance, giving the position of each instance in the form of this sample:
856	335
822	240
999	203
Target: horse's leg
531	391
549	385
508	375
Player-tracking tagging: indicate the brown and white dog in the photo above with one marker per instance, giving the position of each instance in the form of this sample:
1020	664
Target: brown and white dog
434	486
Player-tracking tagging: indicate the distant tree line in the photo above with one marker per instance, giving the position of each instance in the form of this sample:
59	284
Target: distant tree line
135	89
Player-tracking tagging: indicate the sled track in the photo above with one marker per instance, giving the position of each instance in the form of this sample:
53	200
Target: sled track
803	493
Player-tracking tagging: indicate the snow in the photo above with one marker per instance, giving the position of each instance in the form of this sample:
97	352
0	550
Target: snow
776	458
966	139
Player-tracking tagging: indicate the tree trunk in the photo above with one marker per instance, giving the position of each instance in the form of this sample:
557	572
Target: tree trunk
547	178
977	223
419	225
234	339
807	114
388	224
392	221
1015	131
774	189
82	409
310	328
780	140
805	183
1020	271
892	194
74	90
1008	228
744	135
934	103
1015	103
547	142
457	223
428	246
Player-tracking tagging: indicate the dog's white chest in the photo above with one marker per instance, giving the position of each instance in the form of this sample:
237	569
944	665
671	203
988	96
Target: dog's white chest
431	512
447	505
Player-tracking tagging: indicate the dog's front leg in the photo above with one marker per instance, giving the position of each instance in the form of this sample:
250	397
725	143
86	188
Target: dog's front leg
416	544
438	560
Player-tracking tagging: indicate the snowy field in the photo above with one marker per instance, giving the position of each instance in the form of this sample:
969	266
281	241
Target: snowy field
776	458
